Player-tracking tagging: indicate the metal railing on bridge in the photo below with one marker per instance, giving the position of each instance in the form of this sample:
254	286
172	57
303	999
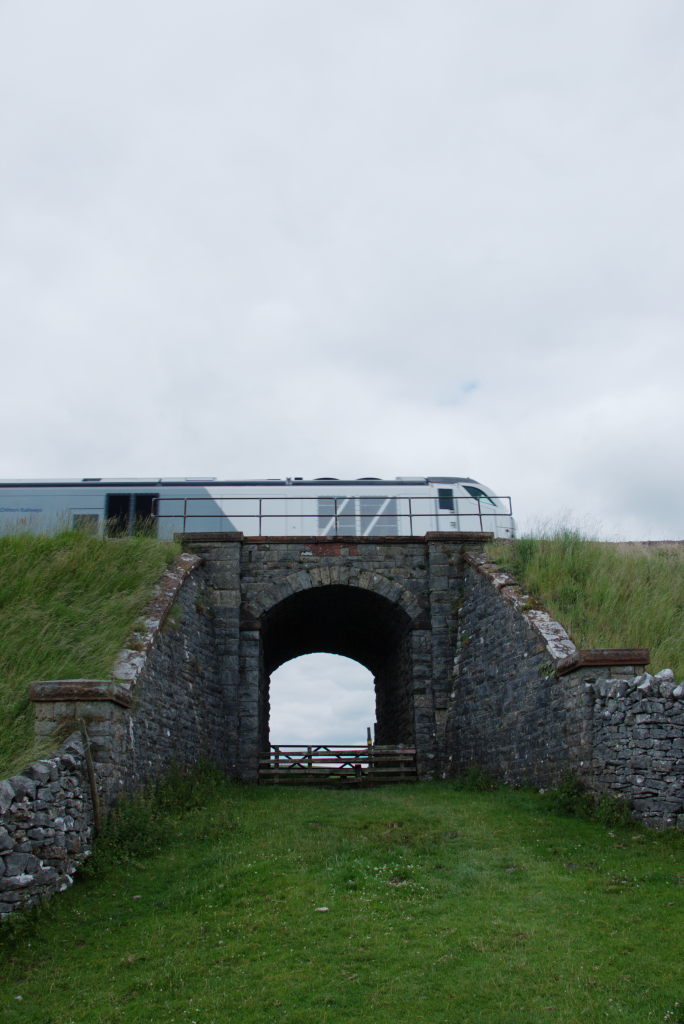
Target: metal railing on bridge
322	764
409	515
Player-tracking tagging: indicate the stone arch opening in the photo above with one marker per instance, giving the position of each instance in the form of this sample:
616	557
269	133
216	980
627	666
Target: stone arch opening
356	623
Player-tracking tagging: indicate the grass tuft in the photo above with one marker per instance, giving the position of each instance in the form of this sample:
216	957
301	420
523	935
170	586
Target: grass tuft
573	798
606	595
140	826
474	780
67	604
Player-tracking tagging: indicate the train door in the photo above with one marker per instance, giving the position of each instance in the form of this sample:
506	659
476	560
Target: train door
447	511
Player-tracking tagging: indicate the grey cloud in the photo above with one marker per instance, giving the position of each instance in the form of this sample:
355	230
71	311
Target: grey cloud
261	240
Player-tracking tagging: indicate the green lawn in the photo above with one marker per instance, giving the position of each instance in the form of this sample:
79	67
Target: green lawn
442	906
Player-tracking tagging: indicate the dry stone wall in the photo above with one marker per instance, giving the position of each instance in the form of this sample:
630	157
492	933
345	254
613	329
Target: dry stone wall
46	827
637	749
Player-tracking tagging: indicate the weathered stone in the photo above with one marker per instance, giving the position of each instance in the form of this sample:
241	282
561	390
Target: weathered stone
7	795
24	788
11	882
20	863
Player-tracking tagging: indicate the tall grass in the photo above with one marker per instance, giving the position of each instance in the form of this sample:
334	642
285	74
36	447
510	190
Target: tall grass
67	604
606	595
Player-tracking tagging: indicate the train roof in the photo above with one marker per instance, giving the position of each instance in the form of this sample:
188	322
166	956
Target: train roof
196	481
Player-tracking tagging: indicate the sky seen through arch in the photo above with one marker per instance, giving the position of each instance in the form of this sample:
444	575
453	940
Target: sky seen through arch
321	698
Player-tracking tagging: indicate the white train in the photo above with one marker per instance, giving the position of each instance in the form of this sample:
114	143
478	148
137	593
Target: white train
370	506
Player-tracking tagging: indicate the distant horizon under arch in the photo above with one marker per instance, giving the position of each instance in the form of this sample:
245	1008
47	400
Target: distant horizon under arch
321	698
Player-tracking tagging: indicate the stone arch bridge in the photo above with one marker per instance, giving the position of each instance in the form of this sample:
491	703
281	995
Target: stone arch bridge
465	670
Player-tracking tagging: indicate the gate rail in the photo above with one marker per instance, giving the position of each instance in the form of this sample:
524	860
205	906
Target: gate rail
321	764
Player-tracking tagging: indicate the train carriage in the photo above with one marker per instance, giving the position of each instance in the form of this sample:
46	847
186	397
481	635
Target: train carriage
294	506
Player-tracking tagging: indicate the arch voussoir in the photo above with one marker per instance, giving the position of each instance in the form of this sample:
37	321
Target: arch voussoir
262	600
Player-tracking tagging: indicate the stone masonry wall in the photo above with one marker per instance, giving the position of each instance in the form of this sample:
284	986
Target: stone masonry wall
254	576
165	705
412	574
46	827
178	713
526	706
638	744
165	702
509	714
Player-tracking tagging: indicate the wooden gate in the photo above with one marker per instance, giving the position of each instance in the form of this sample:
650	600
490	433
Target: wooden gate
323	765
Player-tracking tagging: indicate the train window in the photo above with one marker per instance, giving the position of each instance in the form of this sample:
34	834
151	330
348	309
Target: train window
129	513
337	516
476	492
326	513
346	518
446	499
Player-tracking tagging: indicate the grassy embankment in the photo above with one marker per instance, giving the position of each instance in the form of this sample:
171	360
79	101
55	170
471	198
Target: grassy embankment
606	595
67	604
443	907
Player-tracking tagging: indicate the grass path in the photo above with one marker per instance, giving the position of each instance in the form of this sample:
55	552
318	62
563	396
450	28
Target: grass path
443	906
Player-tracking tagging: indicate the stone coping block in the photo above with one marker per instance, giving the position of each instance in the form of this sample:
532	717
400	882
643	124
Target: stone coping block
80	690
618	656
132	658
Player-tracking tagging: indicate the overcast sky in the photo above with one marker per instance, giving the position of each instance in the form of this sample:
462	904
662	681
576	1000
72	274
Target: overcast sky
316	238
